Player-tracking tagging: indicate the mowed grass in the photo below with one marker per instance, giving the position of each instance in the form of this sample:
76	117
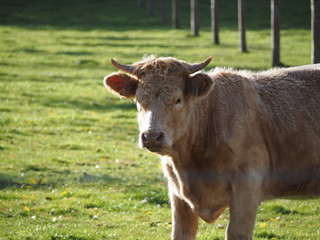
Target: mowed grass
70	167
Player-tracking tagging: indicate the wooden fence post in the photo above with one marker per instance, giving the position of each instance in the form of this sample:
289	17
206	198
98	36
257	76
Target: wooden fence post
214	21
242	25
194	18
315	27
275	25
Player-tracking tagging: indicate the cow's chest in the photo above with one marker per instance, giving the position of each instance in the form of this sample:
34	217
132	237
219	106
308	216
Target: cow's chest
205	195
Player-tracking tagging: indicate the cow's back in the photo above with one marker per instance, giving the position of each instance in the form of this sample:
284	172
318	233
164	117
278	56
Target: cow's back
291	97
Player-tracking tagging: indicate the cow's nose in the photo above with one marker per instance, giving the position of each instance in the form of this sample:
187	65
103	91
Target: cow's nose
152	139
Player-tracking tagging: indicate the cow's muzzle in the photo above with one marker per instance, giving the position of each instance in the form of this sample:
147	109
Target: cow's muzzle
153	140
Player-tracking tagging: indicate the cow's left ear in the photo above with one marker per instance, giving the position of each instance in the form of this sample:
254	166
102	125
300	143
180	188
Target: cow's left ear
121	84
199	85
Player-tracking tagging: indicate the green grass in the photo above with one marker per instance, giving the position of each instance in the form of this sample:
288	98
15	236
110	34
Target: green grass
70	167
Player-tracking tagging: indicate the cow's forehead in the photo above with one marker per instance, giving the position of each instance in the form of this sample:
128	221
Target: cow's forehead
159	67
165	87
159	77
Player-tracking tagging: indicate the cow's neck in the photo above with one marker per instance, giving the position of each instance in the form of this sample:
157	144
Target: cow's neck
212	125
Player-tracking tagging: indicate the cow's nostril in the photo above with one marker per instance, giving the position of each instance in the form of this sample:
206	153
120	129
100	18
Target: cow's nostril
144	138
159	137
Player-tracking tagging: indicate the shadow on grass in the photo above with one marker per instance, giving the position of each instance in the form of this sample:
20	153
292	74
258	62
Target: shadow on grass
74	14
268	235
53	179
126	15
149	190
96	178
89	104
8	181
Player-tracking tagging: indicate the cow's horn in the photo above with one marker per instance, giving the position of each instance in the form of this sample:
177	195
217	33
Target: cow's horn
198	66
125	68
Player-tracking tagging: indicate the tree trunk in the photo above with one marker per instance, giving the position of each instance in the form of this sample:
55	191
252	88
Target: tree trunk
242	25
214	21
150	6
194	18
163	11
175	14
275	24
315	26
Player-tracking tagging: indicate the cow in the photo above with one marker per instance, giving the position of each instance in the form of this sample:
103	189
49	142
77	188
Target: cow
227	138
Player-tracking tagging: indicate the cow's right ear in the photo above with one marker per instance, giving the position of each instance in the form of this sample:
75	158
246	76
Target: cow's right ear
199	86
121	84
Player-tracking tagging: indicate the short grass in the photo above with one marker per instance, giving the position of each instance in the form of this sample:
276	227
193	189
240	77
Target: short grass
70	167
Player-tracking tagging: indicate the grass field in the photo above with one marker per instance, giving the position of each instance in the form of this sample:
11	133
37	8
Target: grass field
70	167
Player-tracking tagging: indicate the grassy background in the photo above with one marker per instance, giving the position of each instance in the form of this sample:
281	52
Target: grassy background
70	167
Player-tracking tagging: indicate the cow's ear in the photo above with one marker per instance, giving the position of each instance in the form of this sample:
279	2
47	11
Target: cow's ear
121	84
199	85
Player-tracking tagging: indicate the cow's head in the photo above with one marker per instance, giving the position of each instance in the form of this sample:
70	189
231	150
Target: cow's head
164	89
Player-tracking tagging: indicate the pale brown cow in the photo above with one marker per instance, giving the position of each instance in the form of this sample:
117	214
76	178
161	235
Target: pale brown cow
226	138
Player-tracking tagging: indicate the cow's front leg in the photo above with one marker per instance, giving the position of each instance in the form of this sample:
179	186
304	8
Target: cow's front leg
245	200
184	221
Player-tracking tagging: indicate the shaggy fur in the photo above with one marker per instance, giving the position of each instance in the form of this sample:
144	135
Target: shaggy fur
227	138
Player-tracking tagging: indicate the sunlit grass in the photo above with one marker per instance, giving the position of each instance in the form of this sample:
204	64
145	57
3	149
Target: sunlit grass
70	167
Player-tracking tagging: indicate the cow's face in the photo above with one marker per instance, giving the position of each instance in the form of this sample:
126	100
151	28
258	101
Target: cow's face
164	90
162	111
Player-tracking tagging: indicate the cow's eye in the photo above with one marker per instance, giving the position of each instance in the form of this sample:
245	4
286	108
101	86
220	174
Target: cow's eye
178	101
